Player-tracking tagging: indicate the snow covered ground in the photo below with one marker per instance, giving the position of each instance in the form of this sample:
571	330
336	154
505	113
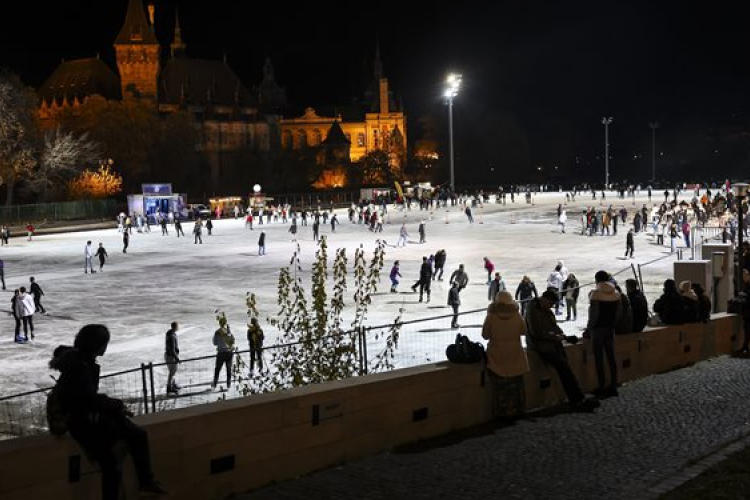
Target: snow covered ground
165	278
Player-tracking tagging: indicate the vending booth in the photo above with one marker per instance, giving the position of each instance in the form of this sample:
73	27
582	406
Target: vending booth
158	198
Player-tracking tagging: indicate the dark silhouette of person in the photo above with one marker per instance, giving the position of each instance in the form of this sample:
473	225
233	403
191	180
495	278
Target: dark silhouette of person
96	421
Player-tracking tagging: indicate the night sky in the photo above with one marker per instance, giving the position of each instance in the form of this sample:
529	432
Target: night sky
541	74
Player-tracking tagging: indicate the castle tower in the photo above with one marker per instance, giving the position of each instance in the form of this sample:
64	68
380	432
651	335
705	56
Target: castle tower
178	46
137	52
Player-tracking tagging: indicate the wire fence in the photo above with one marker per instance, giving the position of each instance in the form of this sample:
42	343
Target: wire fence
420	341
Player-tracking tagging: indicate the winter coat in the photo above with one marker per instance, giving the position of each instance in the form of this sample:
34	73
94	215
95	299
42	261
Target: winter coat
605	308
629	239
425	273
555	281
454	298
639	308
439	259
563	270
503	328
624	323
25	305
223	340
255	336
543	334
92	417
526	290
704	308
489	266
570	288
403	232
496	286
690	308
394	272
172	348
262	239
36	290
460	277
670	307
87	251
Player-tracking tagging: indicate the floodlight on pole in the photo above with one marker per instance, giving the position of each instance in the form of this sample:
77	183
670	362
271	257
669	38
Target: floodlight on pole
453	83
606	121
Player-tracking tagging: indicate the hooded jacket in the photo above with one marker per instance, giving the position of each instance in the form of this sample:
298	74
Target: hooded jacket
639	307
543	335
669	306
604	306
503	328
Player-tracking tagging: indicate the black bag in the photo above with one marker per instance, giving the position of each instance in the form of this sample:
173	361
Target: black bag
736	305
464	350
57	417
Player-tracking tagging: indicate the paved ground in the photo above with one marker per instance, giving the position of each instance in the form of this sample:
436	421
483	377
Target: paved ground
636	446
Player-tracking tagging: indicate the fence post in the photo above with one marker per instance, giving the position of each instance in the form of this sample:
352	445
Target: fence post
363	335
153	392
145	388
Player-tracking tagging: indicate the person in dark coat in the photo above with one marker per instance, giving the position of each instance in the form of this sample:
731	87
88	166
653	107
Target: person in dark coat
638	305
125	241
16	317
629	244
209	225
425	279
669	306
689	301
704	303
262	243
454	300
96	421
439	264
37	292
102	254
524	292
571	290
172	357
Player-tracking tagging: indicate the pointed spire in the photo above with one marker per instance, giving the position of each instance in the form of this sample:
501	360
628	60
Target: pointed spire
178	46
136	29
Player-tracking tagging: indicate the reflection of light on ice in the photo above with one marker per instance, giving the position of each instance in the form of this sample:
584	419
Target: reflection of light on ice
165	278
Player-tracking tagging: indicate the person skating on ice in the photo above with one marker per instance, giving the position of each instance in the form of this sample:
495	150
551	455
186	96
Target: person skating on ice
37	293
88	253
102	254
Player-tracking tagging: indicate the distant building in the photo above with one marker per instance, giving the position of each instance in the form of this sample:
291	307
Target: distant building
230	117
371	123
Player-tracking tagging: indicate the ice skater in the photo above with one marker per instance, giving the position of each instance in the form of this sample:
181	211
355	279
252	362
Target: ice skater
197	232
262	243
439	265
316	229
2	272
403	235
125	241
25	309
178	227
172	357
102	254
255	338
395	275
334	221
209	225
89	255
224	342
37	292
629	245
454	300
163	223
459	276
422	238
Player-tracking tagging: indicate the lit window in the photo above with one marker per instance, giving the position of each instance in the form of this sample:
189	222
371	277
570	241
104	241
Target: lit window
360	140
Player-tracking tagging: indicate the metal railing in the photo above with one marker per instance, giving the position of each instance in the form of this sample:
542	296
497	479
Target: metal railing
420	341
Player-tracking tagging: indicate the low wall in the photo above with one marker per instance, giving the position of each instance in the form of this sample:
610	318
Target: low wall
211	451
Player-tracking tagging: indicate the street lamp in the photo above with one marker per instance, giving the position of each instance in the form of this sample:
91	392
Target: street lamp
606	121
653	126
451	90
740	192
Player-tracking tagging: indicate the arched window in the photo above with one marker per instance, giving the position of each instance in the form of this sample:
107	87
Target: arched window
286	140
361	140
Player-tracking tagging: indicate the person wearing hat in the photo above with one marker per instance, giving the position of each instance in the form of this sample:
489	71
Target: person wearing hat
546	338
605	309
506	359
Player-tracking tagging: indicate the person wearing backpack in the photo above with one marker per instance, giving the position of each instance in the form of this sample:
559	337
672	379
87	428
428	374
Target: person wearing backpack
506	359
96	421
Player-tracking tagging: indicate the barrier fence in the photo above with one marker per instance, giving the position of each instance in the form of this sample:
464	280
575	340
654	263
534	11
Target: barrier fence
68	210
420	341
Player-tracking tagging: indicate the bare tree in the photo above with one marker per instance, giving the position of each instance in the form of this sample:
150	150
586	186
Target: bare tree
18	132
63	156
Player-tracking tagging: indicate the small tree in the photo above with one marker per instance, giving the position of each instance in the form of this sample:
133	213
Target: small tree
101	183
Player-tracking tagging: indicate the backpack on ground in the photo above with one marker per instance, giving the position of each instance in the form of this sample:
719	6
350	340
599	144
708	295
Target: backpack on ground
464	350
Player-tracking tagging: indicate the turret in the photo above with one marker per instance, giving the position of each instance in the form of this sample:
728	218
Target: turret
137	52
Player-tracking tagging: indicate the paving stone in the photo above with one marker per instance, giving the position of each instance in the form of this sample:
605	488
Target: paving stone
641	444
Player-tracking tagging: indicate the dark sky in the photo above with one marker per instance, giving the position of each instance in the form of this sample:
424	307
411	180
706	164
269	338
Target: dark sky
548	71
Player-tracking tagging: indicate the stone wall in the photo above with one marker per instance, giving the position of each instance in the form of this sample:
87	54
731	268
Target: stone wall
211	451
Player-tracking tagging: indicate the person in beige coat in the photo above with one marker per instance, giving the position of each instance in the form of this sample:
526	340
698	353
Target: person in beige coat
506	357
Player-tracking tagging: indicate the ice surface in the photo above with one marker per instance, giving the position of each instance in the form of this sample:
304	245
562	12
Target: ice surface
165	278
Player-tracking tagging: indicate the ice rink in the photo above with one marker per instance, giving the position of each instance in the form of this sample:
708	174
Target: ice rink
165	278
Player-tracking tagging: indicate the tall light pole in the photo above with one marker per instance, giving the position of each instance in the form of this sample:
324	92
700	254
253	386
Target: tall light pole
451	90
653	126
740	191
606	121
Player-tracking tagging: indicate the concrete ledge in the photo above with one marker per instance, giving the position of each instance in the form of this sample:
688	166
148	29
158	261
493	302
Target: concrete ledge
214	450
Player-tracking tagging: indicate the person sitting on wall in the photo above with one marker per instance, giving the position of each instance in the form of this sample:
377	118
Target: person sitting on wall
638	305
546	338
704	303
669	306
689	301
